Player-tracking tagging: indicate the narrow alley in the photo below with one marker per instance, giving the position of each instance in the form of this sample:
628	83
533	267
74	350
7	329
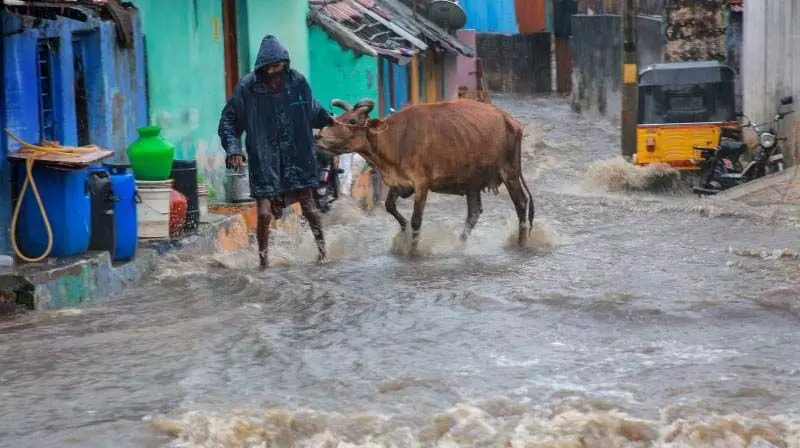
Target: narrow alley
632	320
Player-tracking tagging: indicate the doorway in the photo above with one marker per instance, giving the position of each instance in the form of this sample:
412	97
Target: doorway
231	42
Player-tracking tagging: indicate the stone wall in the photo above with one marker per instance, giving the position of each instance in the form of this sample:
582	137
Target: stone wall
695	30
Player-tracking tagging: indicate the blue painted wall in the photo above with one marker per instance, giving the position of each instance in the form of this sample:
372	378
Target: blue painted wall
386	86
401	93
400	81
115	86
114	81
491	16
5	187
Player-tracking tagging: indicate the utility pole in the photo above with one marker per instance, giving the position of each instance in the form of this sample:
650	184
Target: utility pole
629	79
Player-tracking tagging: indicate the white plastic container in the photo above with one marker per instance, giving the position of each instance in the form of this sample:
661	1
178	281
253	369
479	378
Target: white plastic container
152	208
202	203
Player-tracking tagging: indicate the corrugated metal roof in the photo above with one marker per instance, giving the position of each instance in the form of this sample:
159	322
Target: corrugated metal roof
421	26
363	27
384	27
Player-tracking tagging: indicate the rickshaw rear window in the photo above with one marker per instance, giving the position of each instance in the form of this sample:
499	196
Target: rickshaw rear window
686	103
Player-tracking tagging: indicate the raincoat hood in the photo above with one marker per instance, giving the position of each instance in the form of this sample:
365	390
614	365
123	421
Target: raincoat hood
270	52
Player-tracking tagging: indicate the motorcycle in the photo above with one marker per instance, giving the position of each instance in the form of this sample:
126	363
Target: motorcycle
721	168
328	190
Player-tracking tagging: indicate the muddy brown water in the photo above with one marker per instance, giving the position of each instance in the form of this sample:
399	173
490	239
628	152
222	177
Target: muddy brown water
633	320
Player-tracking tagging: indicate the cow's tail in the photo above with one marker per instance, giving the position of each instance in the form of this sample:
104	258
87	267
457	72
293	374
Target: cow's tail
516	128
531	208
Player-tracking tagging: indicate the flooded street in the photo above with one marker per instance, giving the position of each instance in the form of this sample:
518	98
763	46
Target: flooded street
633	320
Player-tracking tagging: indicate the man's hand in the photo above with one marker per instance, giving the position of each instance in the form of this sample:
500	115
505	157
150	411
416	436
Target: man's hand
234	162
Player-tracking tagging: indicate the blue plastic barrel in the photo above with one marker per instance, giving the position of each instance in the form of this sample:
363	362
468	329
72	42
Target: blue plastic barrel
127	224
65	195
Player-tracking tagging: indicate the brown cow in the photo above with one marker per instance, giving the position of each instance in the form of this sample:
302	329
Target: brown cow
453	147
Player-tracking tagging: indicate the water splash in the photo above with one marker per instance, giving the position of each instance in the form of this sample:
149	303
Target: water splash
500	423
619	175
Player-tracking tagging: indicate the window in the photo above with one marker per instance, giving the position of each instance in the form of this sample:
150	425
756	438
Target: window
45	56
81	98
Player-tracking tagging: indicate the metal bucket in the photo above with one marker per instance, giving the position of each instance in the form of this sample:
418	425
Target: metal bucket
238	185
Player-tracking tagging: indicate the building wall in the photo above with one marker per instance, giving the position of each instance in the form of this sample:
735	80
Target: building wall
402	95
186	78
116	102
186	67
465	66
771	63
496	16
450	77
114	79
5	178
285	19
597	56
337	72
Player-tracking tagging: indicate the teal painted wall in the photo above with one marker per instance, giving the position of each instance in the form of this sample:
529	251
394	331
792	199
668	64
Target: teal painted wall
186	67
285	19
186	78
340	73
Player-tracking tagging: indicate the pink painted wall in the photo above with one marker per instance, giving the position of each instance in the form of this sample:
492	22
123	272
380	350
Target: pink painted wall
465	67
450	77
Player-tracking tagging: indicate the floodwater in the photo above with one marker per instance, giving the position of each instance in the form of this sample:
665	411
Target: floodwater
632	320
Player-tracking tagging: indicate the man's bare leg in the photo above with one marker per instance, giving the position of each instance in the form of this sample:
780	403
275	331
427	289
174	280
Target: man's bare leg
310	211
262	231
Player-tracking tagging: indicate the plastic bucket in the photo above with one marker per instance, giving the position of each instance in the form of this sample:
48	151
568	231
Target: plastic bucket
153	208
238	187
202	201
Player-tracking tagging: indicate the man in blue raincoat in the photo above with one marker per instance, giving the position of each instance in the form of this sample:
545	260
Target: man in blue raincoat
274	106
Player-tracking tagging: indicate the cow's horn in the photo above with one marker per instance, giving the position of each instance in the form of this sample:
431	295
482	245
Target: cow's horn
341	104
366	103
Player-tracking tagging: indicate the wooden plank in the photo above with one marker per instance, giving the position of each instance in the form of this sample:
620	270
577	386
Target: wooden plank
62	160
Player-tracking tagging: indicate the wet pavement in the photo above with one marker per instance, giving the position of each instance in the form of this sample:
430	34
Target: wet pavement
632	320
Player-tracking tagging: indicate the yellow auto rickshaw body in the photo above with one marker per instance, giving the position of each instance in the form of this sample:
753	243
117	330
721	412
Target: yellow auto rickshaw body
682	106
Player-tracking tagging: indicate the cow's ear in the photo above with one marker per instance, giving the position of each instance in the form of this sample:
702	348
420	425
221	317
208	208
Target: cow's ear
377	125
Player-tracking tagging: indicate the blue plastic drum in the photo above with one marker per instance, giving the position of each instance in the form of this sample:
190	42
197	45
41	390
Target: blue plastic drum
127	225
65	195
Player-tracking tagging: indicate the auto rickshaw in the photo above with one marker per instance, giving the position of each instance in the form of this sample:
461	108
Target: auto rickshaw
683	106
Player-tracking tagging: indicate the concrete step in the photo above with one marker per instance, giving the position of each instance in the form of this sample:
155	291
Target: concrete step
70	282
